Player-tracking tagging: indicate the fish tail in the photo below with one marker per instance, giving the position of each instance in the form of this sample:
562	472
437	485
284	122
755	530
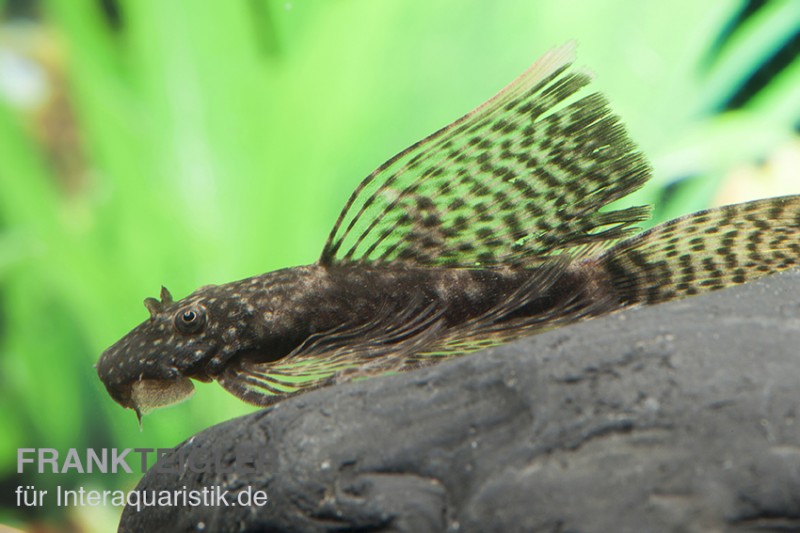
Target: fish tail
705	251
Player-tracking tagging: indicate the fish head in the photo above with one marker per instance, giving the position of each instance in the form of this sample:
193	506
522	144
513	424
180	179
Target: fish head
154	364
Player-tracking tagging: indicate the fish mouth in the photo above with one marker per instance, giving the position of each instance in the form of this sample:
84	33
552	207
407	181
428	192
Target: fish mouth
145	387
143	393
147	395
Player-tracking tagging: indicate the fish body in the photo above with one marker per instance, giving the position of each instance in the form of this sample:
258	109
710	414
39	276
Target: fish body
498	225
288	313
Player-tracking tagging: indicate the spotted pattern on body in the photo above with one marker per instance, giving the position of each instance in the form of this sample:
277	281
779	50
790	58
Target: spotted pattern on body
495	227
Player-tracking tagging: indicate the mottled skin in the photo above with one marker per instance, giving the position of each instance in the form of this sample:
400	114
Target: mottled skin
265	318
498	225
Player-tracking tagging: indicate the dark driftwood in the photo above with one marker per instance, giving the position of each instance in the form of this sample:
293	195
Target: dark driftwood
679	417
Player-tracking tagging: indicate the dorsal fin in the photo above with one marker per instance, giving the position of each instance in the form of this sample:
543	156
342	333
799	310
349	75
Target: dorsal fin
520	177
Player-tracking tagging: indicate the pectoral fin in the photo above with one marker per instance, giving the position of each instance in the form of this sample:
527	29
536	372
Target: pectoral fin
383	344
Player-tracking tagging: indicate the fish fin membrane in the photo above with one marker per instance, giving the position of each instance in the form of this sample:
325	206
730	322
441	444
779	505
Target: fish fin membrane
523	176
706	251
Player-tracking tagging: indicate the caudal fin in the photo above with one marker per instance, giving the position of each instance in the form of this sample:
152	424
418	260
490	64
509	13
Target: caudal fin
706	251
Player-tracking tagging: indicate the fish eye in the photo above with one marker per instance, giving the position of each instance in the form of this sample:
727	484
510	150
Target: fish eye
190	320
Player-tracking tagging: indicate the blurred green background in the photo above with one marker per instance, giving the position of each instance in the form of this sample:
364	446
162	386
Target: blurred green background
150	142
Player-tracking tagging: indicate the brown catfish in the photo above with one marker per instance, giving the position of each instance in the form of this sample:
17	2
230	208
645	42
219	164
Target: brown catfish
492	228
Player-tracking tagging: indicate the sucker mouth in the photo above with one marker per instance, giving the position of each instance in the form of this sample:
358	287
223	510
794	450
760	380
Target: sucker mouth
147	395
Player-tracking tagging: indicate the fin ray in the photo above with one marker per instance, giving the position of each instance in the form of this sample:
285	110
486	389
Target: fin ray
520	177
707	250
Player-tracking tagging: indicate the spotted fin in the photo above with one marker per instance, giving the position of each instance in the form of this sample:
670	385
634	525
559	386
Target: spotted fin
706	251
522	176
